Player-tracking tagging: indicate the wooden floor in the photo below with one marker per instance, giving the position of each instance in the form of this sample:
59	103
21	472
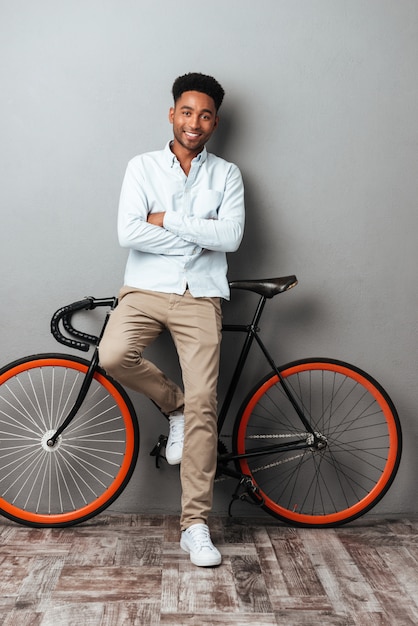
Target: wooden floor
128	569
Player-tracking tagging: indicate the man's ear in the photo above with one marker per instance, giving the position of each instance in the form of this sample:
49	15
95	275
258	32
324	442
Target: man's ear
171	115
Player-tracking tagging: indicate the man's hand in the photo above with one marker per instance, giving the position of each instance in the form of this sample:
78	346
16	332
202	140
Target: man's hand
157	219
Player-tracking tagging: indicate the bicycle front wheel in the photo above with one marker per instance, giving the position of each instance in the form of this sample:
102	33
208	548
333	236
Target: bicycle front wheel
359	448
91	462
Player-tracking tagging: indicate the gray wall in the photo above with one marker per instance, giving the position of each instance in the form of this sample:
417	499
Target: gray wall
321	117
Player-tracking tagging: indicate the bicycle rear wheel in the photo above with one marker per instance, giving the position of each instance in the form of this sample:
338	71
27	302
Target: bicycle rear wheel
91	462
359	430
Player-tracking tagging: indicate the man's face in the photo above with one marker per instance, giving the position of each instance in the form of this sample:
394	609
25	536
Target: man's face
194	119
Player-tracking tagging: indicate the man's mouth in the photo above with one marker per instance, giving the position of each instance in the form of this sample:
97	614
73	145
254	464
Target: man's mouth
191	135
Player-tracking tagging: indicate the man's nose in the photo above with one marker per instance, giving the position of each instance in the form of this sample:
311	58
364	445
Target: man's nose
195	121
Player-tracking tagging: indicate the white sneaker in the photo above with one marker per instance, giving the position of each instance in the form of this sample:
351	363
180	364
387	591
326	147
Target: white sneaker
174	447
196	541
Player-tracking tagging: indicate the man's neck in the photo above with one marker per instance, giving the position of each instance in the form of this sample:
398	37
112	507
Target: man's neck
184	156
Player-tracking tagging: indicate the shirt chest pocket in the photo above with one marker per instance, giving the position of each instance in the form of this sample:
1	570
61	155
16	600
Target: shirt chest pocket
205	204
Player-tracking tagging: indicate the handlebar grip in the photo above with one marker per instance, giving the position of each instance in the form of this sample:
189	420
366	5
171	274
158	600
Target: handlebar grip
64	314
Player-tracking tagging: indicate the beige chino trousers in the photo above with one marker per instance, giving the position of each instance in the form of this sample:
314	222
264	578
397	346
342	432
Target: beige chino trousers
195	326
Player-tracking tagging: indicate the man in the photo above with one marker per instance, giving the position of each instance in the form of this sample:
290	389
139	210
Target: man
181	210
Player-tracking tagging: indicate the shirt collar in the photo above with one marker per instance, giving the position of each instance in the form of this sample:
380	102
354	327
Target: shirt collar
171	157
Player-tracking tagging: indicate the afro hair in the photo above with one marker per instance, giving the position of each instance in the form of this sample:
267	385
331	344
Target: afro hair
195	81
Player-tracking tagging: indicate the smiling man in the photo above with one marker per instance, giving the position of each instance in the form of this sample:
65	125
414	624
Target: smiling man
181	210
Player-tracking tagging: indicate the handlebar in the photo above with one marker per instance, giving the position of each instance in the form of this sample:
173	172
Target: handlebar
82	341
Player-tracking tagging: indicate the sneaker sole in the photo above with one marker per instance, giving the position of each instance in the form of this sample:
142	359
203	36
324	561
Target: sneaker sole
175	461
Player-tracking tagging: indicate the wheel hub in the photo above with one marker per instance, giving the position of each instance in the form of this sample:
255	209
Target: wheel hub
47	436
317	442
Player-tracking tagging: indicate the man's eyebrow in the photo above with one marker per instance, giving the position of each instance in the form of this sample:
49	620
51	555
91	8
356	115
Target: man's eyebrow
186	107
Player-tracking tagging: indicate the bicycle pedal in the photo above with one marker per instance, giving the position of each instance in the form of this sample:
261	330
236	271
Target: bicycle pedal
250	492
156	451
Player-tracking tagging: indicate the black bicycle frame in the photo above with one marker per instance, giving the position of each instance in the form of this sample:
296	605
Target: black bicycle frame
252	331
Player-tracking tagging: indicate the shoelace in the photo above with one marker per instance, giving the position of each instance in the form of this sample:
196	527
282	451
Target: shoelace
200	537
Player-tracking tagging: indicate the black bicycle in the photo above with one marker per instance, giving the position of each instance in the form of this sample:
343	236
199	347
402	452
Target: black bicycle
316	442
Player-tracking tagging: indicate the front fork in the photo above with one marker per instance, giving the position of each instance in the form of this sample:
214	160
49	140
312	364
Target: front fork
80	399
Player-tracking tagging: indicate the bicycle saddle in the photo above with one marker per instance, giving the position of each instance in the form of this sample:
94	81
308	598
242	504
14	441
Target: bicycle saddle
267	287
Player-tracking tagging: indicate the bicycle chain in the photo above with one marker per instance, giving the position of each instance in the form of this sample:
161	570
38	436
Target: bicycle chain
283	436
276	463
289	435
269	465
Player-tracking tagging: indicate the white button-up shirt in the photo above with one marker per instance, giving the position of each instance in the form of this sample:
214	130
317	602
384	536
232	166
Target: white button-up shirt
204	219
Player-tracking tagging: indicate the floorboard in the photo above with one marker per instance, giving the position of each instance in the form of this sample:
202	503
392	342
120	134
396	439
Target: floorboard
128	570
